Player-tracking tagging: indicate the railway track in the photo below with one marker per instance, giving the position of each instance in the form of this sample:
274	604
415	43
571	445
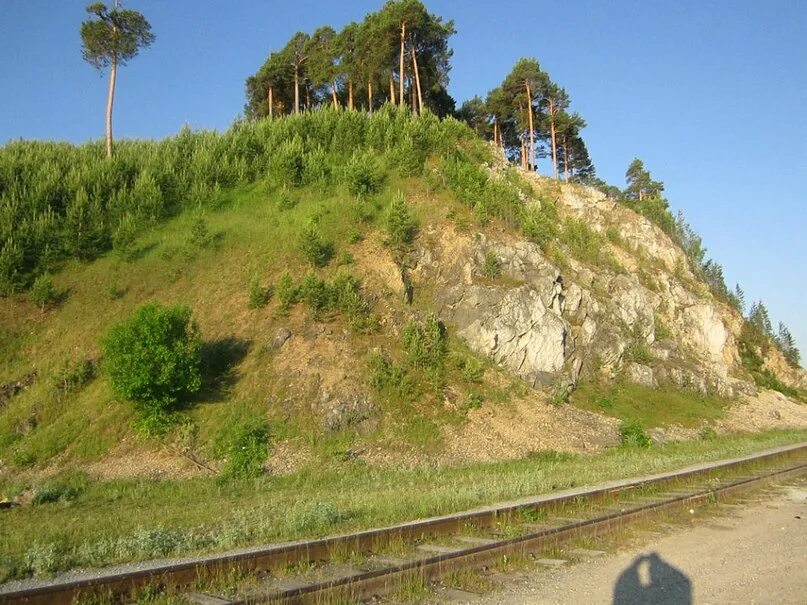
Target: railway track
362	565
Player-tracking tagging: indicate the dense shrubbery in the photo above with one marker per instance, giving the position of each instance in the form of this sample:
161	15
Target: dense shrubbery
154	359
61	201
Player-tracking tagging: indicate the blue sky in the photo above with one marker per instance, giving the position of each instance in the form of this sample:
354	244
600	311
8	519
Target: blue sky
711	95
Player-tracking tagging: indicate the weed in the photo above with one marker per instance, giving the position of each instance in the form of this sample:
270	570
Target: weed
632	434
492	267
247	449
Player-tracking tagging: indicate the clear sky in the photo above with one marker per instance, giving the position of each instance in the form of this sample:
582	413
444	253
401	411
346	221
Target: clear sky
712	95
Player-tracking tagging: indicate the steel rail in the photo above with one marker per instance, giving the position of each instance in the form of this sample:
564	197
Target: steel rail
277	556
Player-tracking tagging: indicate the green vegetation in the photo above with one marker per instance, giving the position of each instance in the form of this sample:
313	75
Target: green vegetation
401	227
316	501
492	266
632	434
80	199
43	292
154	358
652	407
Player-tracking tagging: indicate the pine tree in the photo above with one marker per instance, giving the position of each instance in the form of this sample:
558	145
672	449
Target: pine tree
110	40
640	184
787	345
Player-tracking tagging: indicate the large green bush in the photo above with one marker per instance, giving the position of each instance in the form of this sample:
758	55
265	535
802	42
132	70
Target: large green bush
154	359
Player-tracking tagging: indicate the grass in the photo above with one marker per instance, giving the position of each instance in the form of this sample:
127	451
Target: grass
173	517
650	407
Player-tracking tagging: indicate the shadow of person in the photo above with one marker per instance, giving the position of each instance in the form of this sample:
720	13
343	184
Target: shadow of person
649	580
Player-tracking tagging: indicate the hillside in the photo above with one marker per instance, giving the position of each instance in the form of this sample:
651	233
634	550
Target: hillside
401	299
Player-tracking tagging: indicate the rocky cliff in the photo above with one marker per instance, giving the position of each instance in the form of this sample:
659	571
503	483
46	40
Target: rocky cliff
551	318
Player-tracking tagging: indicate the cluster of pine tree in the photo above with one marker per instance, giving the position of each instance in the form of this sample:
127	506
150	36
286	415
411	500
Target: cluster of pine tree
398	54
527	116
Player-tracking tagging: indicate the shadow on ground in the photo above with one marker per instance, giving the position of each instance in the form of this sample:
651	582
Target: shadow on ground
651	580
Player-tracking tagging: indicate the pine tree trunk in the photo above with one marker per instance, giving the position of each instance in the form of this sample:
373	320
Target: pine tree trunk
402	72
554	144
113	73
307	97
412	98
417	79
566	158
333	95
350	94
370	96
271	103
392	89
532	127
296	89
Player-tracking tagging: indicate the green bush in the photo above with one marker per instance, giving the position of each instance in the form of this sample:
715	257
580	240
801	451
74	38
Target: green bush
200	233
63	489
154	359
387	376
257	294
287	293
315	250
426	345
363	175
538	228
586	245
633	434
492	267
314	292
401	227
43	292
247	449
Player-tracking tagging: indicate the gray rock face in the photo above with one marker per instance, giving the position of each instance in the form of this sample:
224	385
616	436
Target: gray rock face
640	374
548	325
515	328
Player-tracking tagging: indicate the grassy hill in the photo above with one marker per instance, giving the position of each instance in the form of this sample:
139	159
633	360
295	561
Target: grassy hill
328	383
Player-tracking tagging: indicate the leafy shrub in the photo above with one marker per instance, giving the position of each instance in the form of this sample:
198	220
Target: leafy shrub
315	250
492	267
386	375
257	294
471	369
43	292
586	245
154	358
633	434
538	228
401	227
247	450
363	175
426	345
